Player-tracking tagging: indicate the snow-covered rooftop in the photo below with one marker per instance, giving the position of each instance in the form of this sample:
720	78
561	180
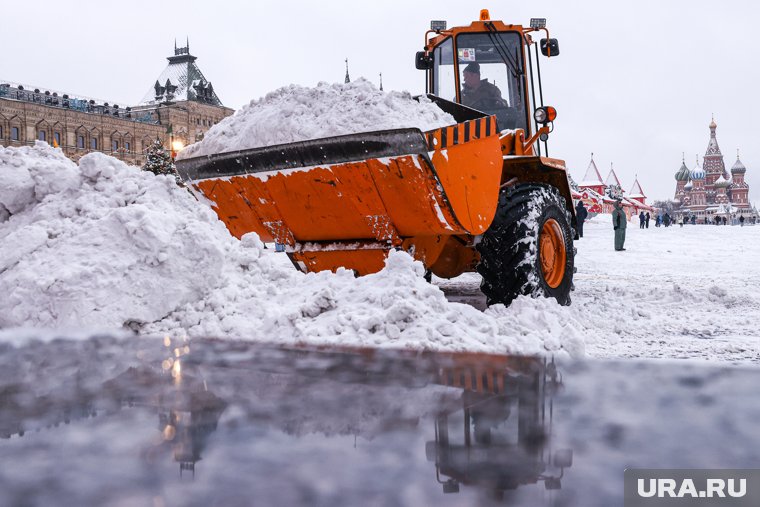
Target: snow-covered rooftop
612	178
592	177
636	191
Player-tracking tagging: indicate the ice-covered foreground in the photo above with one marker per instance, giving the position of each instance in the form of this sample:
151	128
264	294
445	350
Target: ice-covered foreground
105	246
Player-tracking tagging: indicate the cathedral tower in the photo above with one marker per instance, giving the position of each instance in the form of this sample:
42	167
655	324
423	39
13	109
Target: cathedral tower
739	190
712	164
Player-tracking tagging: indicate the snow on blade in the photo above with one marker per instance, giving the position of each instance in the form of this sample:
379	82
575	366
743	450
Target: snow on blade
297	113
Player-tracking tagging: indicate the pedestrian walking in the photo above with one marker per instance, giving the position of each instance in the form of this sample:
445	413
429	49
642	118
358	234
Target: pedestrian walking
580	216
657	220
646	217
741	220
619	222
680	220
642	219
725	221
666	220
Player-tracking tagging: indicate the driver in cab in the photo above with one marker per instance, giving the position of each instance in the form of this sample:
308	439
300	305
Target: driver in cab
479	93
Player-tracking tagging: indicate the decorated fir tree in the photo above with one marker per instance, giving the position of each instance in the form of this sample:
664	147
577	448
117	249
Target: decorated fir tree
159	161
572	182
614	191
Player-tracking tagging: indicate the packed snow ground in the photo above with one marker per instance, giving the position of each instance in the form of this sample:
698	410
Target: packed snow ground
104	246
298	113
688	292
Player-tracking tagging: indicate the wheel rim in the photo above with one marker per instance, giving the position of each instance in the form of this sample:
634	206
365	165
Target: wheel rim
552	253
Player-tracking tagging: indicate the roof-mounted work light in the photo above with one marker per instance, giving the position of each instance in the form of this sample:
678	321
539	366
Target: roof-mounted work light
537	23
438	25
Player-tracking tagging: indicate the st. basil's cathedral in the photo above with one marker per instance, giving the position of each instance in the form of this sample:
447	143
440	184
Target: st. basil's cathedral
709	191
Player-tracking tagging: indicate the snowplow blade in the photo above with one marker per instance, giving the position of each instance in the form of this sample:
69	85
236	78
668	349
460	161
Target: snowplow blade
347	200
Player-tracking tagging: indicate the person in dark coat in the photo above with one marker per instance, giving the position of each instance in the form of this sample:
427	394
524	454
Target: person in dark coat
741	220
694	220
479	93
666	220
646	218
725	221
619	222
580	216
642	219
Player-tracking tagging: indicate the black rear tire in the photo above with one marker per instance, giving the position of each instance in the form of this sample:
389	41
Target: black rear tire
510	250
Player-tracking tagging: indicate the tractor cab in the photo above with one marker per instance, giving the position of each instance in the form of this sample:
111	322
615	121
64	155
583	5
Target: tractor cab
483	66
483	71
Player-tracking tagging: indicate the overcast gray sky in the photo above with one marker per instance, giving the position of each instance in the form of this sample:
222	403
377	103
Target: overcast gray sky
635	83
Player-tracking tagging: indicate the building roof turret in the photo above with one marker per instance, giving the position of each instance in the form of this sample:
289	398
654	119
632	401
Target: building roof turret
738	167
712	145
636	191
612	178
592	177
683	173
721	182
181	80
697	173
689	185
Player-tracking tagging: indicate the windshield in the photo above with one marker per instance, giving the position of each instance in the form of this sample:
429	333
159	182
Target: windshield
491	73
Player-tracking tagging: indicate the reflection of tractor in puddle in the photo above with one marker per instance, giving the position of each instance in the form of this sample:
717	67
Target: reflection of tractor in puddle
506	437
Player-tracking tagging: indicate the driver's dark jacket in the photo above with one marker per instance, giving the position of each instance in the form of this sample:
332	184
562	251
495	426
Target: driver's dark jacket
475	98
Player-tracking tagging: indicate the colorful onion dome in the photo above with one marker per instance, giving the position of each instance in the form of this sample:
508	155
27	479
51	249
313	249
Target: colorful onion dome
683	173
721	182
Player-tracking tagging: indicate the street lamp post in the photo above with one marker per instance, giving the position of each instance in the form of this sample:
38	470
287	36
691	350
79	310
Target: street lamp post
177	146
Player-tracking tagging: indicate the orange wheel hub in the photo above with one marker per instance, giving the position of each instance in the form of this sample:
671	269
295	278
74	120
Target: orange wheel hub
552	253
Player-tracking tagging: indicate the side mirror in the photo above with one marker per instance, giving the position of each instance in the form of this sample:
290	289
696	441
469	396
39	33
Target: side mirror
549	47
423	61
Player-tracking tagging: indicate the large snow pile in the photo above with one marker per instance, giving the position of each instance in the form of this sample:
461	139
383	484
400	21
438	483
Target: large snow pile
297	113
105	245
98	244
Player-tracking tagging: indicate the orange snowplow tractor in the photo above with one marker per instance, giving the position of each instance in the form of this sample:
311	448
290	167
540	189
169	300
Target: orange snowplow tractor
552	253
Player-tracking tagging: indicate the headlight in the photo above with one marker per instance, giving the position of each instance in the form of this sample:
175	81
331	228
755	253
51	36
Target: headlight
545	114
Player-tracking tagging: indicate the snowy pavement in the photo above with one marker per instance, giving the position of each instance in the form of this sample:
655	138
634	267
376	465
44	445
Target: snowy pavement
674	293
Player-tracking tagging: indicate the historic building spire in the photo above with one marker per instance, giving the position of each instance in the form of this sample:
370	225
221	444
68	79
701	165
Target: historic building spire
182	80
713	164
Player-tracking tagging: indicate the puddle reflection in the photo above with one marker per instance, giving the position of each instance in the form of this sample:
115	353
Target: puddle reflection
500	438
490	416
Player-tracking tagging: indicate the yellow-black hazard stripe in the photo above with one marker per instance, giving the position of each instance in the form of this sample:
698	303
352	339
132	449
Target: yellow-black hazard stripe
461	133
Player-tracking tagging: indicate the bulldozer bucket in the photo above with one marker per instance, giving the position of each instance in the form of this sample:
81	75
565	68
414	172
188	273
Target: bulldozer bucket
345	201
